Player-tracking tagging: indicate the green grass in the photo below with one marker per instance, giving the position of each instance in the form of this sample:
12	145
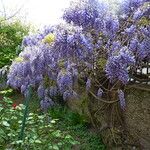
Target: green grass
88	140
76	126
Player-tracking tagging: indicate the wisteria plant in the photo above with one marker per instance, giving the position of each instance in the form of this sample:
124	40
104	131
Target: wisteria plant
93	47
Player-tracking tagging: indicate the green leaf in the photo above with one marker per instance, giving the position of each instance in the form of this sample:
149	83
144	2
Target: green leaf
19	121
6	91
53	121
55	147
57	133
68	137
38	141
5	123
74	142
2	132
18	142
7	100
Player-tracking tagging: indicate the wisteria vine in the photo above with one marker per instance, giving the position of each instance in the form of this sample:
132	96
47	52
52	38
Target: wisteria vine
91	43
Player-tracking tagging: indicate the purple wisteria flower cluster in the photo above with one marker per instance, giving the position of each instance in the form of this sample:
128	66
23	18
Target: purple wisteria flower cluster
57	57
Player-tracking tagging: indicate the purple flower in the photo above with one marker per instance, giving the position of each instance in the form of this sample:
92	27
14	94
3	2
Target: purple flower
41	92
134	44
98	24
29	41
122	99
144	51
46	92
146	31
88	84
68	94
130	30
99	92
23	88
116	45
117	66
111	25
128	6
53	91
46	103
138	14
64	80
85	14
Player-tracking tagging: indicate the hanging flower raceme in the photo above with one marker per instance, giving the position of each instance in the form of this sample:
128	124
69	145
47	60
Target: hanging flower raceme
64	80
88	84
117	66
100	93
46	103
129	6
122	100
88	14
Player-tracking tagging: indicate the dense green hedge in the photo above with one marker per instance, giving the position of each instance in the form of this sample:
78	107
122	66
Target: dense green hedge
11	35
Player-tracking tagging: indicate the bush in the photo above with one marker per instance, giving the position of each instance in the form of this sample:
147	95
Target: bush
92	46
11	35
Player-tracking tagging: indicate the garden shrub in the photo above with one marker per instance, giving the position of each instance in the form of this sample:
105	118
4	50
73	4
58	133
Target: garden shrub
11	35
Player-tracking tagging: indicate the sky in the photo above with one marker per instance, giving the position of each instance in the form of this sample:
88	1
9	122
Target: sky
38	12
